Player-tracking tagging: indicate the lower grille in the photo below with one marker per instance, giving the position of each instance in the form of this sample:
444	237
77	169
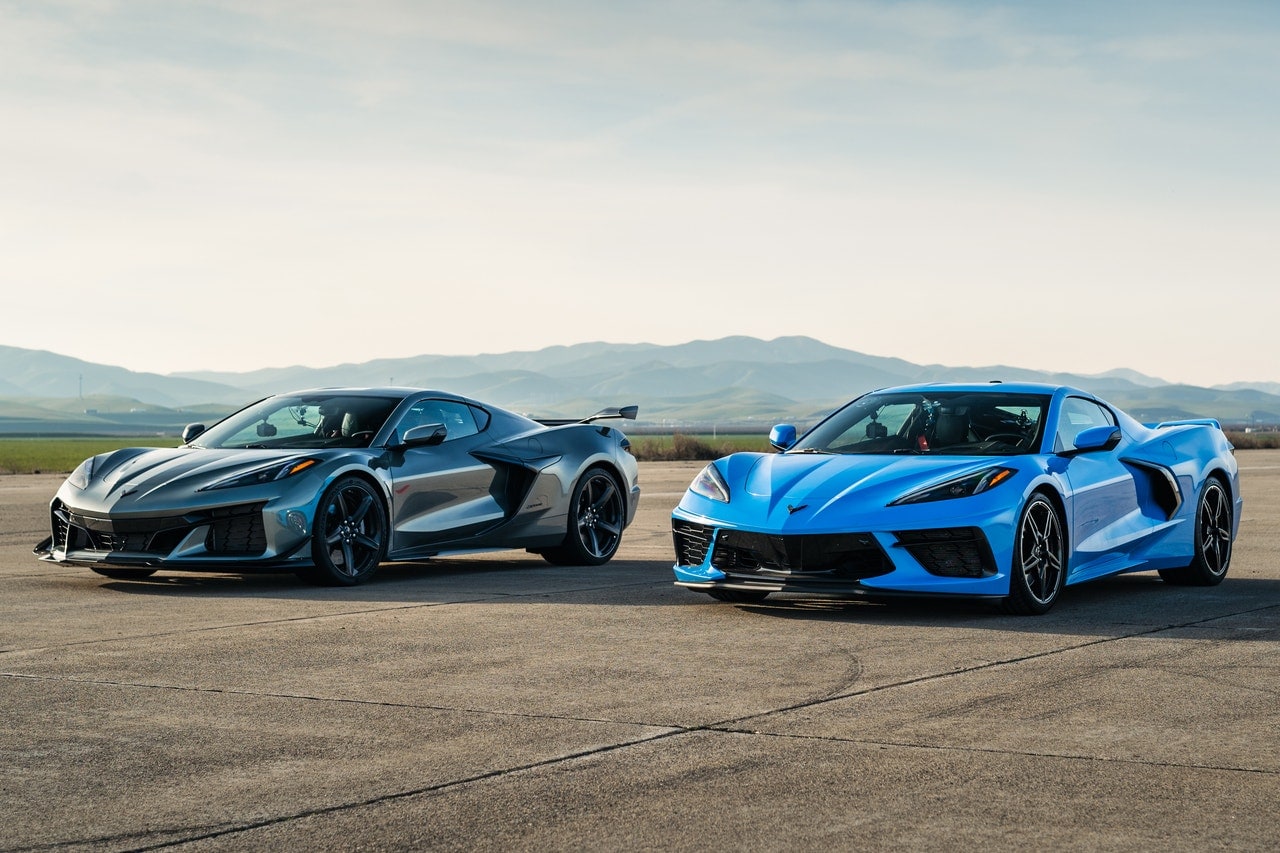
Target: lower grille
955	552
692	541
837	555
237	532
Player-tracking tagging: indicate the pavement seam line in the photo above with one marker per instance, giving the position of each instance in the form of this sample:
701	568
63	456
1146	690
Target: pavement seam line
426	790
822	700
338	700
989	751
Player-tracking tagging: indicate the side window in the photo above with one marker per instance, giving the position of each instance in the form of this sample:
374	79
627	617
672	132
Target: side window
1078	414
457	418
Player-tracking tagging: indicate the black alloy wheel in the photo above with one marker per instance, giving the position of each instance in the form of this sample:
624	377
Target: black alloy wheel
349	537
1039	559
1212	540
596	518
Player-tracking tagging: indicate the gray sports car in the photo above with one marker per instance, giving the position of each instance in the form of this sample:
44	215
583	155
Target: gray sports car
330	483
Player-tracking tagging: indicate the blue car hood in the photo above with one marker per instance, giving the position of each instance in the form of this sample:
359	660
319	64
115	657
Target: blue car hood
787	490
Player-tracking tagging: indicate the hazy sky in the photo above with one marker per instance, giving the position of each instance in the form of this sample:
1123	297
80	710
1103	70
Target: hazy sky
232	185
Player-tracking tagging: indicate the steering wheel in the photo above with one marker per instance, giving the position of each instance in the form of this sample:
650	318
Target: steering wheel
1004	437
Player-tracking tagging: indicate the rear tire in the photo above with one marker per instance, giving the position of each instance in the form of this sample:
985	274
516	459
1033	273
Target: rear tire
349	536
1213	540
124	574
1039	559
596	518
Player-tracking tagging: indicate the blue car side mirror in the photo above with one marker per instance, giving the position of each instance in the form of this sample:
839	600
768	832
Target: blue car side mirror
1098	438
782	436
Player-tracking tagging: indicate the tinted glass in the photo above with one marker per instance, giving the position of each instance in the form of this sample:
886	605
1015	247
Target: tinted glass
459	419
1079	414
314	420
987	423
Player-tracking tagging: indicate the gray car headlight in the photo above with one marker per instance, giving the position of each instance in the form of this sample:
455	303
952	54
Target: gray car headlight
267	474
83	474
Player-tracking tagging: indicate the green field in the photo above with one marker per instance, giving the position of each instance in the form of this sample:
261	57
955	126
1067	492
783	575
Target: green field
652	448
61	455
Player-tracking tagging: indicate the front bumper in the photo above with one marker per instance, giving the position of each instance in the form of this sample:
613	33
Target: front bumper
940	560
240	536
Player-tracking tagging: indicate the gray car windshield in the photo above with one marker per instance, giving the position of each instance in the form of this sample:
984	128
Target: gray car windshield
312	420
986	423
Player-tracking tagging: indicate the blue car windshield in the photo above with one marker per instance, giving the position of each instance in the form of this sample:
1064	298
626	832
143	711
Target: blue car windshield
312	420
970	423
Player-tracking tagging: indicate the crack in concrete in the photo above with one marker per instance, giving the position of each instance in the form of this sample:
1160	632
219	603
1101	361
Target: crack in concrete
933	747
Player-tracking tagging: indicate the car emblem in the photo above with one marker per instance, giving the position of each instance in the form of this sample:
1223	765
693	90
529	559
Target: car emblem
794	509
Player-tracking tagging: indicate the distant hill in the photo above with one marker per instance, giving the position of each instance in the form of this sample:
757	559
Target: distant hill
37	373
733	380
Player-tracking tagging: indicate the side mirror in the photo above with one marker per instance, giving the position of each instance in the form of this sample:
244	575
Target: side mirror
1098	438
427	435
266	430
782	436
190	431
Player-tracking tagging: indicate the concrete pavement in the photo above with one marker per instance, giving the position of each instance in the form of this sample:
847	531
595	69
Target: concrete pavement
496	702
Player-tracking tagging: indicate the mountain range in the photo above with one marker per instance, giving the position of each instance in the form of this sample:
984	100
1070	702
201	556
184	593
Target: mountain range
739	381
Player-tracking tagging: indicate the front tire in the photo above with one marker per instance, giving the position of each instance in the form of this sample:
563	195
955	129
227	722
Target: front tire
1039	559
596	518
1213	540
349	537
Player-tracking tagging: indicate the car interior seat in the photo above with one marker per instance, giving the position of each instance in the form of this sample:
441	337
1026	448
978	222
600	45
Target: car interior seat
950	428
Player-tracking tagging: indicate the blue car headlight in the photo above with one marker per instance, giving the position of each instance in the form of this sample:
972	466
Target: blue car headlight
960	487
710	484
267	474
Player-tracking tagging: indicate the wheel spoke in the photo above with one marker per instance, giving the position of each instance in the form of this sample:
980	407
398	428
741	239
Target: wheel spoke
366	501
605	496
348	558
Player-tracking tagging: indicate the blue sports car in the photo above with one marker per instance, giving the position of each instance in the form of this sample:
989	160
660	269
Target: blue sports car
1002	491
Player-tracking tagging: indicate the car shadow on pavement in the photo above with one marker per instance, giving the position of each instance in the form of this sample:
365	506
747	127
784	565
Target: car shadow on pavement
431	581
1127	604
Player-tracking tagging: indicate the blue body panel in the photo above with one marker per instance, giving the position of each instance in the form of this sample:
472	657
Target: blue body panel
1127	506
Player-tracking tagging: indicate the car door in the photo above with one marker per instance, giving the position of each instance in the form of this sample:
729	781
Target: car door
1102	508
440	492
